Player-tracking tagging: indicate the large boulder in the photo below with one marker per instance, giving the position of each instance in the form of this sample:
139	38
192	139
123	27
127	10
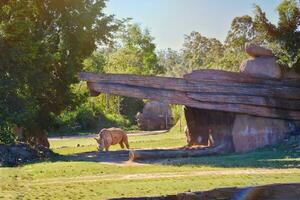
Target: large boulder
254	50
251	132
155	116
264	67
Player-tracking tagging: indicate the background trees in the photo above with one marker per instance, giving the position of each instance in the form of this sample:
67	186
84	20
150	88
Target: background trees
284	38
132	51
171	60
200	51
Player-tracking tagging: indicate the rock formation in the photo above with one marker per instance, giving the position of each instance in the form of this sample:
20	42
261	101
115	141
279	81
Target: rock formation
155	116
252	132
262	64
225	111
254	50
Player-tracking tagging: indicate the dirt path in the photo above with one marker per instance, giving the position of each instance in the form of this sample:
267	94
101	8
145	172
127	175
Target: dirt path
136	133
139	176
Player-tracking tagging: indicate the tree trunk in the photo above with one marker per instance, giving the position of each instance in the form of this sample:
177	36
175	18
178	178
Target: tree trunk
37	136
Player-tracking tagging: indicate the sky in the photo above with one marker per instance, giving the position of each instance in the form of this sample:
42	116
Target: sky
169	20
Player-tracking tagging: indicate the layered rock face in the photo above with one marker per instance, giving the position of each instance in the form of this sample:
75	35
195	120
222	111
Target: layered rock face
262	64
250	132
245	132
155	116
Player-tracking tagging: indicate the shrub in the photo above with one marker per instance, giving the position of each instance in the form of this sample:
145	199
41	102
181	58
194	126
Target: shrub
6	137
86	119
177	111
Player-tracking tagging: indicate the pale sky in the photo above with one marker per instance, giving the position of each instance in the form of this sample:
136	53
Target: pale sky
169	20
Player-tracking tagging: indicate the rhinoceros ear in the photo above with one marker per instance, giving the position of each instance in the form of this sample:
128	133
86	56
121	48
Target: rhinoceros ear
102	130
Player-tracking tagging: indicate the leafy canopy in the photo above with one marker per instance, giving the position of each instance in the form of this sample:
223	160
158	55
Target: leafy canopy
285	37
43	45
134	54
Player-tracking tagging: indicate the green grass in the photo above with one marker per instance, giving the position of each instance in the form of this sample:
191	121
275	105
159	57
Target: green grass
173	138
63	179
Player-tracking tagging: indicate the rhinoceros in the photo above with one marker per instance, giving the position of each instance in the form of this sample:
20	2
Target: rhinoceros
111	136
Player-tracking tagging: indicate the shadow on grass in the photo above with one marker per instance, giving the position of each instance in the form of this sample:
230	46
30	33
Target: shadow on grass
117	157
282	156
264	158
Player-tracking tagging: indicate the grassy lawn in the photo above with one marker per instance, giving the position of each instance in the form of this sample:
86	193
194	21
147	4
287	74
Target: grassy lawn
173	138
62	179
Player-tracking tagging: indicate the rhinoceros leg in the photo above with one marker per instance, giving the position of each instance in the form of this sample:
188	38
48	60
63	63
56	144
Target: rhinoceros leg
125	141
121	144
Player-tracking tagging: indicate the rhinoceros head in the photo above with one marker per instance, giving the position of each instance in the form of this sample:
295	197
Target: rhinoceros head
100	140
100	143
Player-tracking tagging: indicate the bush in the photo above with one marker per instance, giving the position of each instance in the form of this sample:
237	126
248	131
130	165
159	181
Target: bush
86	119
89	117
177	111
6	137
130	107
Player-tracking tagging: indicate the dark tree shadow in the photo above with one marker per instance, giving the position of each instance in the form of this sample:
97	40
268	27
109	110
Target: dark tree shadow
117	157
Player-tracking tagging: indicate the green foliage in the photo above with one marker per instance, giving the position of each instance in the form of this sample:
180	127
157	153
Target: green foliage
135	54
43	45
86	119
133	51
285	37
129	107
6	136
177	112
231	60
242	31
95	63
89	116
200	51
172	62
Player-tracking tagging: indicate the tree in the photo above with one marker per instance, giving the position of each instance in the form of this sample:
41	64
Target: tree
171	61
135	53
43	45
96	62
200	52
242	31
284	38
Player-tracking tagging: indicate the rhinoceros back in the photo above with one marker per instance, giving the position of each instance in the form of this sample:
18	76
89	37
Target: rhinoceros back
115	135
